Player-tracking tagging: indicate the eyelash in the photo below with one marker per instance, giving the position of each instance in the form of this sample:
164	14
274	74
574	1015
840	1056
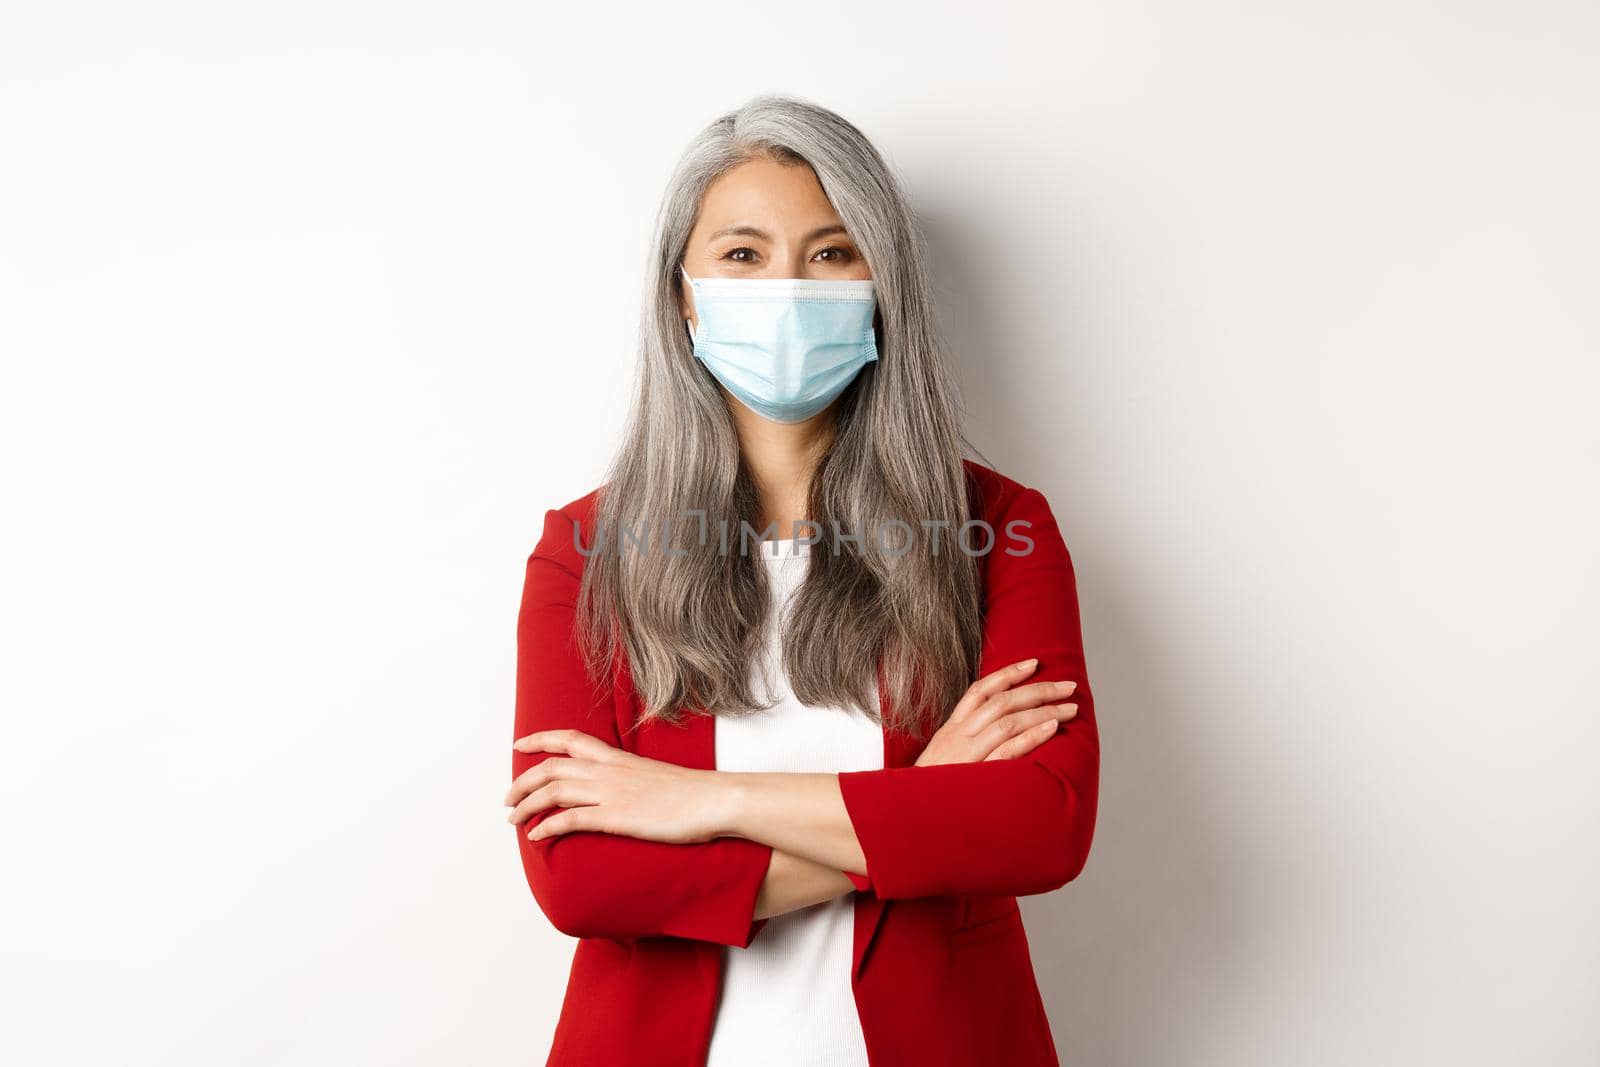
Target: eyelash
831	248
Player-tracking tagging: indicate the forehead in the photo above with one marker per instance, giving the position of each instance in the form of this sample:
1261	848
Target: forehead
762	192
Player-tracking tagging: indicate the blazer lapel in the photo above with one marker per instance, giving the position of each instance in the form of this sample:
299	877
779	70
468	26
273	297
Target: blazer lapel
691	744
900	749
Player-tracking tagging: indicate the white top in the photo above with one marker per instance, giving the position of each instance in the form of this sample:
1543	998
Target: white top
787	1000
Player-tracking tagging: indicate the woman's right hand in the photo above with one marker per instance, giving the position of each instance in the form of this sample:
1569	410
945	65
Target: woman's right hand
999	718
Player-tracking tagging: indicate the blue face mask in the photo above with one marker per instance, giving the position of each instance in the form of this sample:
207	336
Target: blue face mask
785	347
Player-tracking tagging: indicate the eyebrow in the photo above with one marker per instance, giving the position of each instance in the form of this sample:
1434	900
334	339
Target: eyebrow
746	230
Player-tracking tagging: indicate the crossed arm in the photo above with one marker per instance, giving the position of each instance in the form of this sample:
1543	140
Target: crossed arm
600	788
618	845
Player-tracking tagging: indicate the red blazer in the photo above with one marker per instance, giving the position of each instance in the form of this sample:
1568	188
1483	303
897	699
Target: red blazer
942	972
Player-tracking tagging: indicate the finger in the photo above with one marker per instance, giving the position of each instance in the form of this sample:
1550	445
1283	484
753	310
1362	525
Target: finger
564	793
1020	722
543	772
994	682
565	821
567	742
1018	699
1025	742
534	777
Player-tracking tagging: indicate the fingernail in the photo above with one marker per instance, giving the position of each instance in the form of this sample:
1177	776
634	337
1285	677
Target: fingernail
1066	687
1047	726
1028	664
1070	709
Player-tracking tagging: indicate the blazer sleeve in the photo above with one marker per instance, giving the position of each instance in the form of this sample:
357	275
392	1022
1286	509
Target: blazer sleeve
591	884
1002	827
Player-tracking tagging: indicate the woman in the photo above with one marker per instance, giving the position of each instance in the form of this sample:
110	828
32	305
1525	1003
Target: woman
754	772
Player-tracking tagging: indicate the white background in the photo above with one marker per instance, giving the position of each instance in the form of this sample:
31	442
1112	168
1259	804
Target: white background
310	310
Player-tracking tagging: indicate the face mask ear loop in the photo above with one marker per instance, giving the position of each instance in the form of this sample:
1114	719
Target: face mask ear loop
688	322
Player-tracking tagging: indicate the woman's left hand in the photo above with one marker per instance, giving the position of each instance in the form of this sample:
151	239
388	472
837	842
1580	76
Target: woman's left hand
605	789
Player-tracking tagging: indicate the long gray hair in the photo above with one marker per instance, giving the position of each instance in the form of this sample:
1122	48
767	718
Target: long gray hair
689	621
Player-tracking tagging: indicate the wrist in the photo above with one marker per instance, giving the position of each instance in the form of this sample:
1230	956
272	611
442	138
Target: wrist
729	799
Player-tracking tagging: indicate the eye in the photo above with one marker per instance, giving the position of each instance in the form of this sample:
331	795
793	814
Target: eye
733	254
841	255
